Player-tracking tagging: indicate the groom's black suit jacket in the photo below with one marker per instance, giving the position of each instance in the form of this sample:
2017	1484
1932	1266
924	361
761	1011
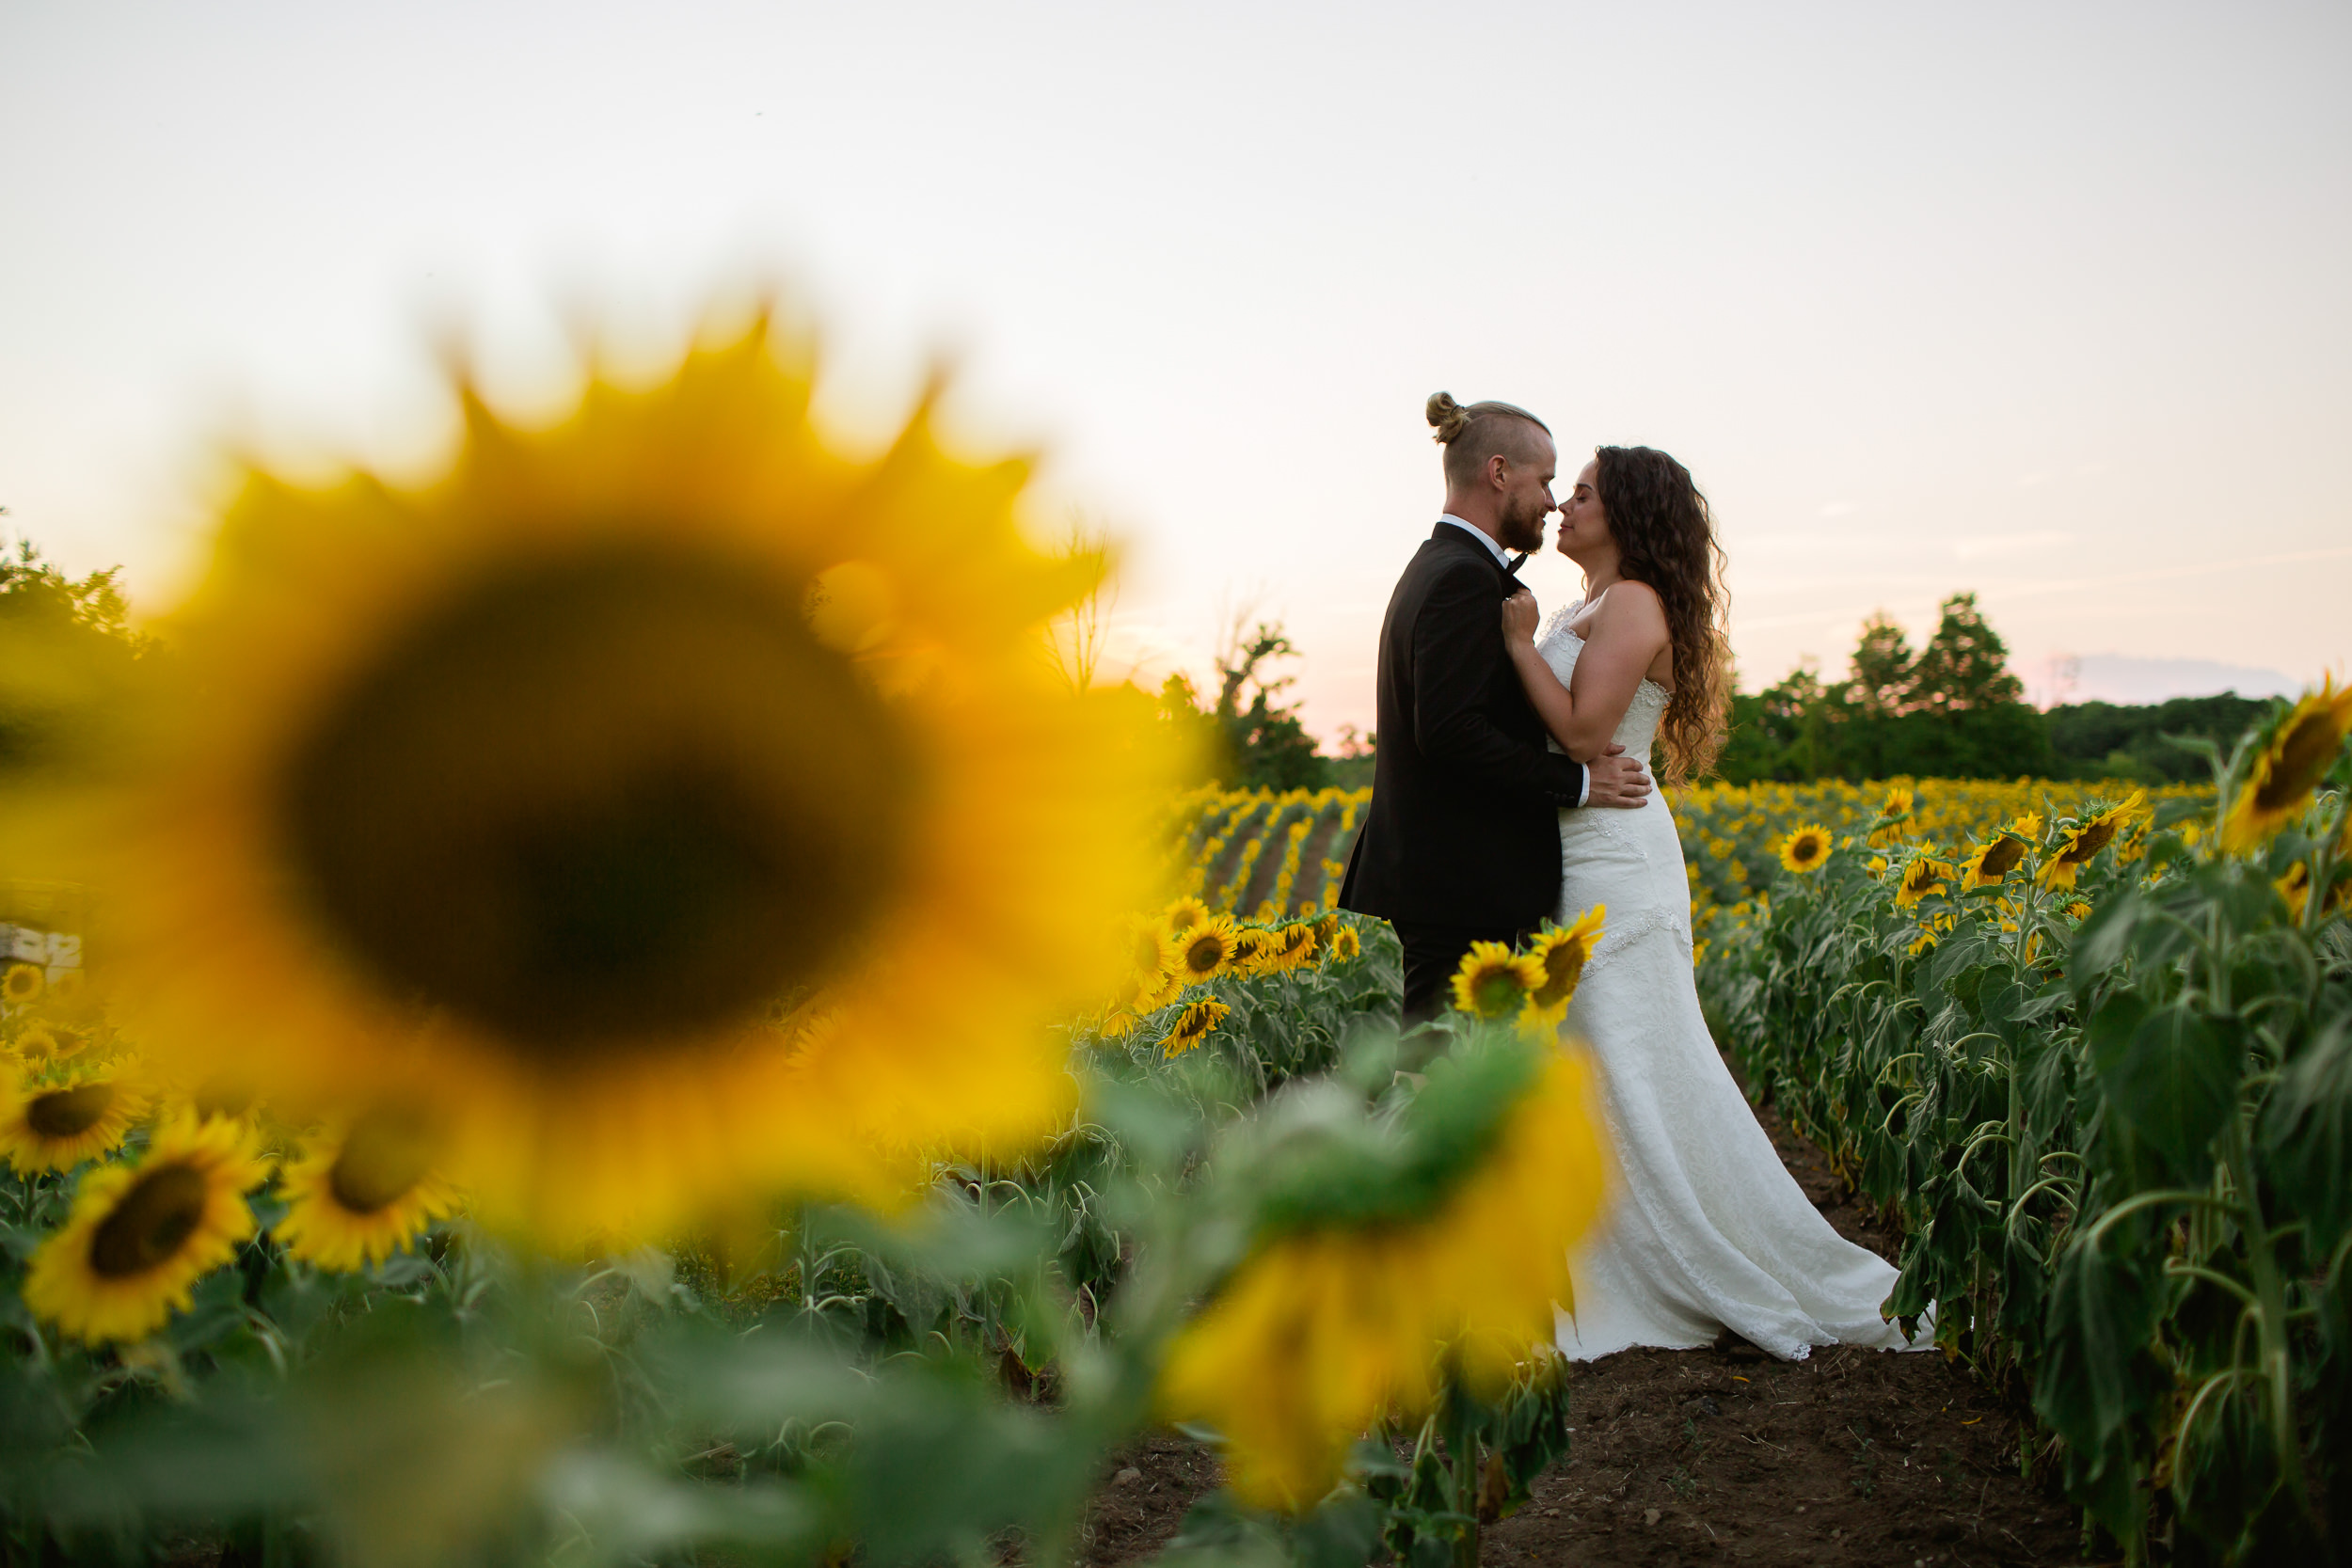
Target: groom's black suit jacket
1464	827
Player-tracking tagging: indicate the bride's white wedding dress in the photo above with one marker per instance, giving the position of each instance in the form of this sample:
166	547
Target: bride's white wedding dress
1706	1230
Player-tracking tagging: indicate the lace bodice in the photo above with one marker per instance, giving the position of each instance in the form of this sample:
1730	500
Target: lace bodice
1560	647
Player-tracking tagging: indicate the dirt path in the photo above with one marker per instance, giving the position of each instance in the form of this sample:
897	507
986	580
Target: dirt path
1728	1456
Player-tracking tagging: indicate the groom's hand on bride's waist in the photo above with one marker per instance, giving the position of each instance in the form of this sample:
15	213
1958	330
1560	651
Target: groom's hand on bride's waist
1615	779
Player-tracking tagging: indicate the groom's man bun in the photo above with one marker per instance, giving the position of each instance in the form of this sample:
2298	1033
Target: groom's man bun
1473	435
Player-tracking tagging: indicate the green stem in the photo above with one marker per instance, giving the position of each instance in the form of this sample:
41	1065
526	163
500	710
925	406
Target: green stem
2270	1314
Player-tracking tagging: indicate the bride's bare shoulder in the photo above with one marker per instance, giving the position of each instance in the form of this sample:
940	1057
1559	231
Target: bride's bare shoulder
1634	606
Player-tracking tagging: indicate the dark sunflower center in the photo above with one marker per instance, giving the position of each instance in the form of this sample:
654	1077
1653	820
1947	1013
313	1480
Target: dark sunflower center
2091	840
1495	992
2001	859
1563	967
602	803
69	1113
150	1223
2303	756
1204	955
382	1157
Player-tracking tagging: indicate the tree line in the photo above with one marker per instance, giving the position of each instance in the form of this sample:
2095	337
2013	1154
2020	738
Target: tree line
1951	708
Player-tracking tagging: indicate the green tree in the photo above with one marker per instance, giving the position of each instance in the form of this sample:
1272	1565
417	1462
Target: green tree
1267	745
1883	667
1964	666
69	657
1954	710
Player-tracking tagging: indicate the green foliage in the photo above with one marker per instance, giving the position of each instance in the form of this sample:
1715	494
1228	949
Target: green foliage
2113	741
69	661
1254	740
2113	1121
1953	711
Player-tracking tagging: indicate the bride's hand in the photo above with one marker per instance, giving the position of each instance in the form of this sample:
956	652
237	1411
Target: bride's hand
1519	617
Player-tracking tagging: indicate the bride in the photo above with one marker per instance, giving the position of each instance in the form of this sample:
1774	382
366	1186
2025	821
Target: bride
1709	1230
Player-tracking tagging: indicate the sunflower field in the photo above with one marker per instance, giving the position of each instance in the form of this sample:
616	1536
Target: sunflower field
2093	1053
614	1005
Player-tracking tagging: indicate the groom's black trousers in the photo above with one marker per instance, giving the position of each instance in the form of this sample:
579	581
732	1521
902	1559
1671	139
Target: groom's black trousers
1432	954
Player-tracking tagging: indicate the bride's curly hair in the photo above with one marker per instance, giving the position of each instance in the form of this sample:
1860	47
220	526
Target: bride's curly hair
1666	538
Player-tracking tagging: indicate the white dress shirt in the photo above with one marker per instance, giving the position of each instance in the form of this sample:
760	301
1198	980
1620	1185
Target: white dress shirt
1481	535
1584	790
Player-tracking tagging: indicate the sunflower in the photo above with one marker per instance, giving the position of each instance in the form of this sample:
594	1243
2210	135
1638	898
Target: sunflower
1562	954
2290	759
1892	814
1346	946
1184	915
1807	848
1193	1025
542	786
1137	996
2084	840
1999	855
43	1044
1925	877
1296	945
1152	951
1930	933
1207	951
56	1120
22	985
1493	981
1256	951
2295	888
140	1236
361	1190
1325	1327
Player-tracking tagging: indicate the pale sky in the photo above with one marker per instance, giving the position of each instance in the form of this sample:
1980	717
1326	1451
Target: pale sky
2045	301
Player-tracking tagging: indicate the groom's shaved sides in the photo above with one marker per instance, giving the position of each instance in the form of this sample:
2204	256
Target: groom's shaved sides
1473	434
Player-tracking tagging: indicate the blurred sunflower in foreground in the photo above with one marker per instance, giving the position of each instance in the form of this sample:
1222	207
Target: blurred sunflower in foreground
559	795
2290	757
1381	1270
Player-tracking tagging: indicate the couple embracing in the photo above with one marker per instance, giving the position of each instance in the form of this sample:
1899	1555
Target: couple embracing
1511	787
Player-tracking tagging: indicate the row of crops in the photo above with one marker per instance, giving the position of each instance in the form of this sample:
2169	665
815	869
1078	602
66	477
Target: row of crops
1262	852
2090	1049
2094	1053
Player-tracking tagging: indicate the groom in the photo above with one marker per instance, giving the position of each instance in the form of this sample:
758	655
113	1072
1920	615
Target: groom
1462	840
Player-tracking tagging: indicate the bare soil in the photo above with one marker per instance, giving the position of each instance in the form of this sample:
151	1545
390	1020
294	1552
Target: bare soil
1154	1482
1728	1456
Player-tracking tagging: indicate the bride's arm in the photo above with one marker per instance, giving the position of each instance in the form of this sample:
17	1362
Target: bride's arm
1625	639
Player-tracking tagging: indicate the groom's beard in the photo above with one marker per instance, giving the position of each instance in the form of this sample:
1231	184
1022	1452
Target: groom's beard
1521	525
